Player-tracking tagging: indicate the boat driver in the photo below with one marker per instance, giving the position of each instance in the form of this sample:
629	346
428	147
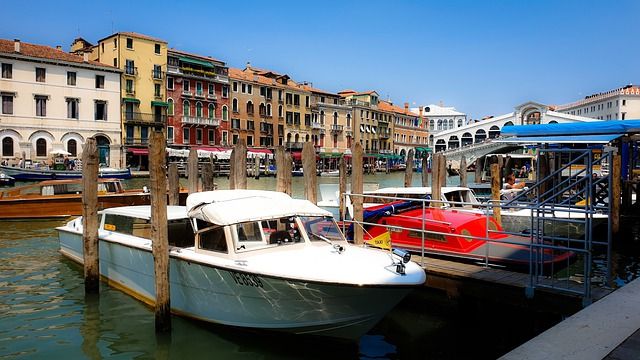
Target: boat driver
511	183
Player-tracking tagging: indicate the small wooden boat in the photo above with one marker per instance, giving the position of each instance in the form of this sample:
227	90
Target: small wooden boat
253	259
63	198
331	173
33	174
6	180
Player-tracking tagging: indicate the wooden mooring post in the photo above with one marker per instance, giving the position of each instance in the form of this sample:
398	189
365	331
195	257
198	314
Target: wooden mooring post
283	170
463	171
616	177
425	171
174	184
238	166
207	176
443	172
342	169
436	192
478	171
309	170
91	252
408	172
159	235
496	178
192	171
357	188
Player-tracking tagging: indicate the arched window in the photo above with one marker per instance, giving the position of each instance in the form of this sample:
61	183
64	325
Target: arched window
262	109
335	118
268	109
212	111
306	138
170	106
349	120
7	147
450	123
249	107
72	147
297	138
279	111
481	135
454	143
186	108
508	123
459	122
494	132
441	145
199	109
41	147
439	124
225	113
234	105
322	117
467	139
431	124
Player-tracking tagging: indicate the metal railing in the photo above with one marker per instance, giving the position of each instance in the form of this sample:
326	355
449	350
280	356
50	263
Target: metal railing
199	120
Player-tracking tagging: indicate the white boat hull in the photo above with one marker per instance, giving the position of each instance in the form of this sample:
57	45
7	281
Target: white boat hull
234	296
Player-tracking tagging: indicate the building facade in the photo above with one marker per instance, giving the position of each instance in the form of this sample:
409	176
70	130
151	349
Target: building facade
441	118
143	61
372	126
618	104
409	130
331	122
53	100
197	99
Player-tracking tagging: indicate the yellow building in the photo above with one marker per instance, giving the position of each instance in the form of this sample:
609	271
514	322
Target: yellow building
143	60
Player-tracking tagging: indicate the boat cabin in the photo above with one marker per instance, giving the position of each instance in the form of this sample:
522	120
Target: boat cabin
455	196
62	187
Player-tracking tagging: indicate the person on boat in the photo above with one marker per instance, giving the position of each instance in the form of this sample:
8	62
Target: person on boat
511	183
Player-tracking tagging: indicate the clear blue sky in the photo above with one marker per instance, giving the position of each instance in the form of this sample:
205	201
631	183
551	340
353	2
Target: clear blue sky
483	57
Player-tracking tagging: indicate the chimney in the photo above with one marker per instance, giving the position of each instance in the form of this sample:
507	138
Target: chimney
85	56
58	47
406	107
248	65
16	45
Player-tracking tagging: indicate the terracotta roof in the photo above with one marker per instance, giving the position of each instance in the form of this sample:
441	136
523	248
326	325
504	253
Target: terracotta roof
346	91
250	76
184	53
315	90
387	106
45	52
134	34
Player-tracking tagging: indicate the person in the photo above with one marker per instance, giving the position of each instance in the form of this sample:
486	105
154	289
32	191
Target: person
511	183
523	171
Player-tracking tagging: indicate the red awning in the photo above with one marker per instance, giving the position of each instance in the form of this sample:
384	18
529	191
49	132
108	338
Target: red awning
209	148
136	151
259	151
296	155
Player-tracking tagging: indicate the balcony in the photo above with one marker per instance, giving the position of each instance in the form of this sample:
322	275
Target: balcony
211	96
317	125
293	145
385	134
199	94
202	74
198	120
131	70
187	93
157	75
336	128
136	118
136	141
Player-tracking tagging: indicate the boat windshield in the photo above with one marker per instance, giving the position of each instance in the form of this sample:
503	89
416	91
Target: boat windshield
321	228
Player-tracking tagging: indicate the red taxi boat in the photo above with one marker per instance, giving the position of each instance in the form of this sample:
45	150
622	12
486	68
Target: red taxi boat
454	233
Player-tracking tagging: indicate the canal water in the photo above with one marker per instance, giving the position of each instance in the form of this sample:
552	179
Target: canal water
44	313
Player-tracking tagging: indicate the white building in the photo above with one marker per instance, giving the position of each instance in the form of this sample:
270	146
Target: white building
441	118
53	100
618	104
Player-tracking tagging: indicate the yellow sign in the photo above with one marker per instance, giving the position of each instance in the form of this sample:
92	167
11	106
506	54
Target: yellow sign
110	227
382	241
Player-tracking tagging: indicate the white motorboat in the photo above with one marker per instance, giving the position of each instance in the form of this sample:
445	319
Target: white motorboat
253	259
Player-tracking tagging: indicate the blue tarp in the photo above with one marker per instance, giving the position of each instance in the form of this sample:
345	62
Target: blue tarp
571	129
567	139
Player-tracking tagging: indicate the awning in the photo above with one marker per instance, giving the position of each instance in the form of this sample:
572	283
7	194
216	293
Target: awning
597	127
187	60
131	100
159	103
424	149
567	139
296	156
136	151
330	155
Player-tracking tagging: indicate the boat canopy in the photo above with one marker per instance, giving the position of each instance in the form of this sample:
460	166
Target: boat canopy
572	129
226	207
566	139
144	212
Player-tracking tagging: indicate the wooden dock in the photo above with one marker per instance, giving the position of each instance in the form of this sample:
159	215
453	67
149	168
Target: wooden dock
478	281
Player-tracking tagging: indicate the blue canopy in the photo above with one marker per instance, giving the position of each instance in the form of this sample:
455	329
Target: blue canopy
567	139
571	129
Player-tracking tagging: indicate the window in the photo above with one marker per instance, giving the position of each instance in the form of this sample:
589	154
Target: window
41	74
128	85
212	136
199	109
235	123
288	99
144	134
115	43
71	78
234	105
41	147
212	89
129	131
100	110
225	91
7	71
170	133
249	140
211	111
7	147
225	113
115	62
72	147
130	67
41	105
129	43
198	136
157	72
244	88
157	49
249	89
249	107
7	103
624	102
296	100
186	107
170	107
213	240
156	90
306	101
72	108
198	88
250	125
185	135
279	111
235	86
99	81
170	83
235	138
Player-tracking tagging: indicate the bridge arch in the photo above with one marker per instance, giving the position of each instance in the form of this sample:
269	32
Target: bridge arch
481	136
441	145
467	139
494	132
454	143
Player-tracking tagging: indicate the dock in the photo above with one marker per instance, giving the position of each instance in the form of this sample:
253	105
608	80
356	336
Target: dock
608	329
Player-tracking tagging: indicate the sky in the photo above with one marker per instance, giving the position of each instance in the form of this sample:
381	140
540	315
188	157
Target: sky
482	57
